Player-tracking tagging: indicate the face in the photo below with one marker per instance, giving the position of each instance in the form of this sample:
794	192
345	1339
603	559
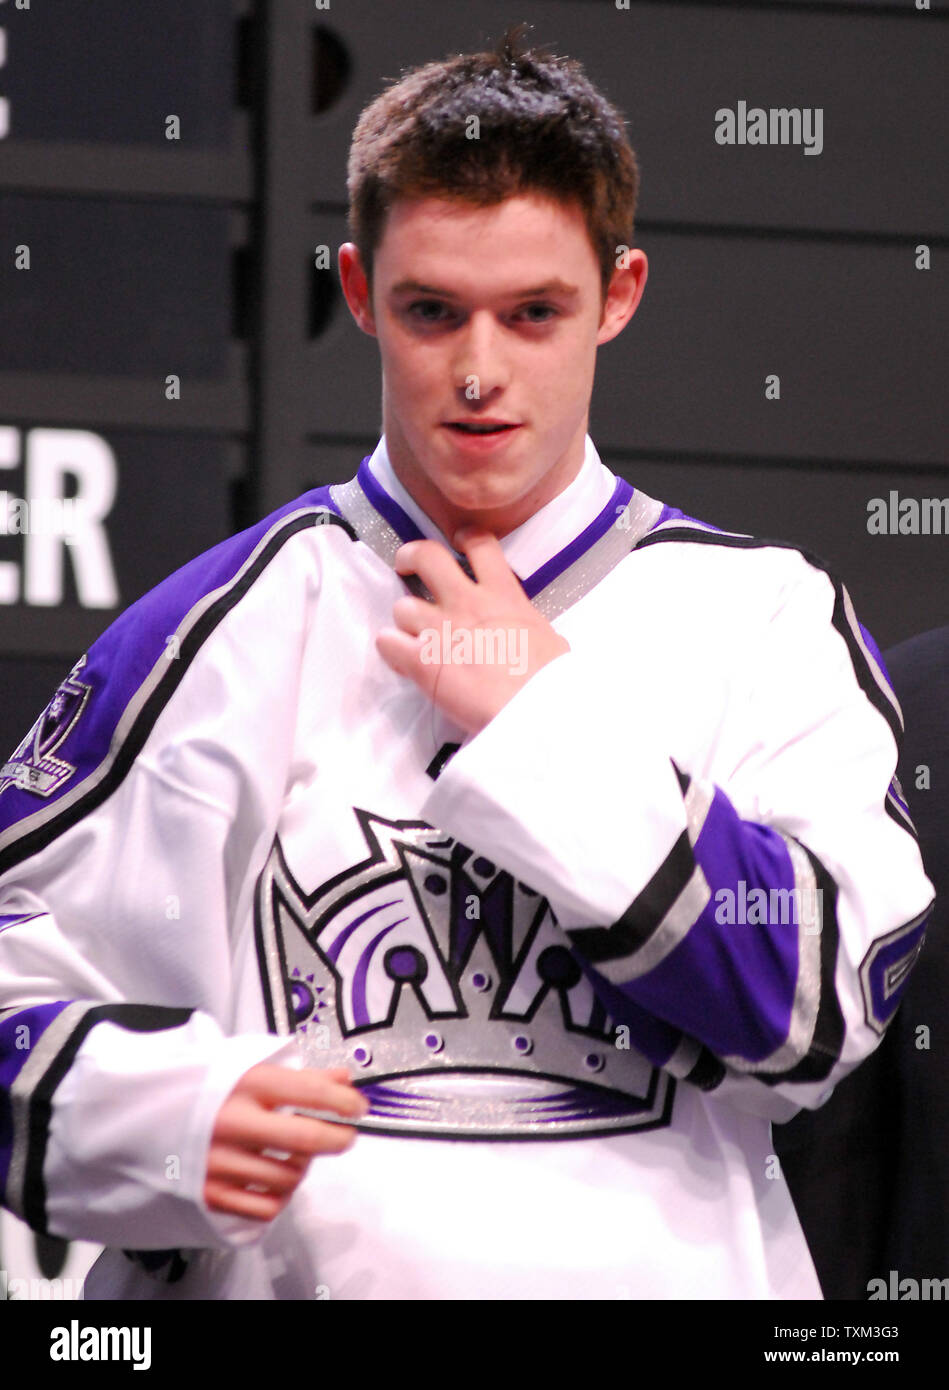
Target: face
487	316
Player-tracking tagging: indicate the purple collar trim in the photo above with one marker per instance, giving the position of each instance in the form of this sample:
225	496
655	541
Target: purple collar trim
406	529
400	521
555	566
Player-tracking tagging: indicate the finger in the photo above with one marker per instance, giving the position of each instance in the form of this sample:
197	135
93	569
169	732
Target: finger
228	1164
438	569
272	1085
250	1127
413	615
487	560
404	655
308	1138
220	1196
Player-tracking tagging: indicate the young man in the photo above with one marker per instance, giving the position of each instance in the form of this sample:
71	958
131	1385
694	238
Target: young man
548	836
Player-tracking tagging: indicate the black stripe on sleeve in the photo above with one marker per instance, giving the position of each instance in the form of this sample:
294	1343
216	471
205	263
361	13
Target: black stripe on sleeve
683	778
631	931
826	1044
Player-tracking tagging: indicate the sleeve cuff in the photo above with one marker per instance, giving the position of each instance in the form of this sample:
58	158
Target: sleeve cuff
126	1156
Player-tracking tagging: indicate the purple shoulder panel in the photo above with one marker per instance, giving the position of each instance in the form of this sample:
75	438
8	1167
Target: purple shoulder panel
76	732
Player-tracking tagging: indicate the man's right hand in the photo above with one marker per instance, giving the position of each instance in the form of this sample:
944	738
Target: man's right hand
244	1177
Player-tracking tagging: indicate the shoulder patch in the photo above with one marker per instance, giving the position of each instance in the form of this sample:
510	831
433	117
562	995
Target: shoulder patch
33	766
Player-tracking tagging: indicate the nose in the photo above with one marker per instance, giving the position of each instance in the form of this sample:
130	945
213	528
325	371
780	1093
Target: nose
480	365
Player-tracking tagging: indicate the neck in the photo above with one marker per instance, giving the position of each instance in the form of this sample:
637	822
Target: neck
501	520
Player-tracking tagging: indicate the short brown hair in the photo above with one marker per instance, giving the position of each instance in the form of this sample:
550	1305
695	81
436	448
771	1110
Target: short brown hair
544	129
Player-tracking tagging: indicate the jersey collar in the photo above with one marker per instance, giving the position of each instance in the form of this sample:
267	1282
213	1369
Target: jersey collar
558	554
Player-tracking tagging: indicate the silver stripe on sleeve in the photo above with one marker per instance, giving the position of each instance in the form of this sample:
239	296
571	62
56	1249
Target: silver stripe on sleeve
698	803
42	1054
875	671
674	927
898	810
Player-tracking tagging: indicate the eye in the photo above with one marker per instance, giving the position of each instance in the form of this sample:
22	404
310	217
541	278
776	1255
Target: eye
546	309
415	310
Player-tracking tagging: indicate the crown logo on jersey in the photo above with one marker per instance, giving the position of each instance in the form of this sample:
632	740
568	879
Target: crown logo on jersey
449	990
32	766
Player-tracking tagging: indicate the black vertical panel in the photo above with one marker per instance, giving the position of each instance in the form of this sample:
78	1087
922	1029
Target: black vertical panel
284	101
112	71
115	287
854	332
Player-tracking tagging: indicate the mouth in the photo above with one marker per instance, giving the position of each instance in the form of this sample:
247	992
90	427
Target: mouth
475	440
480	427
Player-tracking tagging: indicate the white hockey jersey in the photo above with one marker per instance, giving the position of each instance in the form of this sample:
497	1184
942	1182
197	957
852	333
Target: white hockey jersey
578	961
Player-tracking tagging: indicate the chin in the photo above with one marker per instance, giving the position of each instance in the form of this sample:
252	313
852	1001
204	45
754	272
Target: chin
481	499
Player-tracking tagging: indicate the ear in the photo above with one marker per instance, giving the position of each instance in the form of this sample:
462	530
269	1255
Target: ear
625	292
355	286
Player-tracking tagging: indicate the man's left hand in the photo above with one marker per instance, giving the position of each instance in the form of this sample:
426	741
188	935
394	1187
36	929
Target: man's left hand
475	647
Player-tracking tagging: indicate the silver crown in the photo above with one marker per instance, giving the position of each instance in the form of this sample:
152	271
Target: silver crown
449	991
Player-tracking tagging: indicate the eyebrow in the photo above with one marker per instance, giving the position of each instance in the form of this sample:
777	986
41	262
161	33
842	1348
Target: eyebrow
551	287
